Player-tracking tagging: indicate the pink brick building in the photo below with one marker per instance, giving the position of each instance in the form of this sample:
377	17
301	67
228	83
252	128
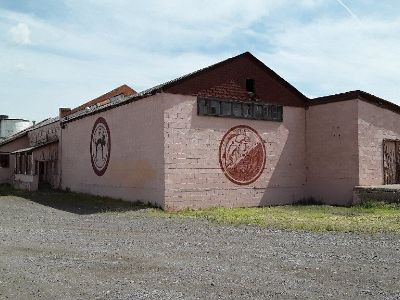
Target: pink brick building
233	134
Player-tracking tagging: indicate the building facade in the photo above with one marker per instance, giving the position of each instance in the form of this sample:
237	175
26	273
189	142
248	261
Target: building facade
233	134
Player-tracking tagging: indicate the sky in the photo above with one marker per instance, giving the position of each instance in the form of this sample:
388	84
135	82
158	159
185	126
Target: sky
62	53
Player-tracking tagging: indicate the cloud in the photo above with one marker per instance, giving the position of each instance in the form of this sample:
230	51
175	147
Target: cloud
21	34
351	13
20	67
88	47
332	56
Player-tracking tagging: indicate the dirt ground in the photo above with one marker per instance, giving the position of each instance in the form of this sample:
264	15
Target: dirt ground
58	253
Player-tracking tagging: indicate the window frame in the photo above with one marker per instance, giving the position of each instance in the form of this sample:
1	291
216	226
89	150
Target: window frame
269	111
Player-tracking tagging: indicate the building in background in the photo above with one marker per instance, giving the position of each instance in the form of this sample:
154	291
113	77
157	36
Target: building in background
9	126
31	158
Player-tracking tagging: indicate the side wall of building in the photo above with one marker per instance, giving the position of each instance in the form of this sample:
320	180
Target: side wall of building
193	176
48	154
332	151
374	125
135	170
6	174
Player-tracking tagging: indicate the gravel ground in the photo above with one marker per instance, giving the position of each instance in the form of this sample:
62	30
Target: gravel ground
49	253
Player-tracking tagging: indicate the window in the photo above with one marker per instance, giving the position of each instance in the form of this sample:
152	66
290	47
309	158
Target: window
4	160
246	110
250	85
280	113
226	108
274	112
202	107
214	108
258	111
235	109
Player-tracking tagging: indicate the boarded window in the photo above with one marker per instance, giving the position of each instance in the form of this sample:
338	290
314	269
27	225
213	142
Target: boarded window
258	111
214	108
4	160
226	109
244	110
237	109
202	107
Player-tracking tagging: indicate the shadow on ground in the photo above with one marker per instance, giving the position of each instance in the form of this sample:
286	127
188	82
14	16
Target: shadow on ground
77	203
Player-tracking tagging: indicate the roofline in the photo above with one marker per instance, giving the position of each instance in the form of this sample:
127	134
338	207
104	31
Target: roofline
93	101
26	130
174	82
353	95
13	137
111	105
161	87
34	147
278	77
15	119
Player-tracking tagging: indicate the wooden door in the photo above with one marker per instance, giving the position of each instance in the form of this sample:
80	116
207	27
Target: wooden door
391	162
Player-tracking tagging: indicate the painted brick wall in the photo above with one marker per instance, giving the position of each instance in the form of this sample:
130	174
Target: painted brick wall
135	170
374	125
332	151
193	177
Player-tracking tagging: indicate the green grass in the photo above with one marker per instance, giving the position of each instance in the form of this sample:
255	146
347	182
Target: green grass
371	217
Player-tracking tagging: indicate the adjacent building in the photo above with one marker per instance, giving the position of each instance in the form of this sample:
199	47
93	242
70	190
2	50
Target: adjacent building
232	134
32	157
9	126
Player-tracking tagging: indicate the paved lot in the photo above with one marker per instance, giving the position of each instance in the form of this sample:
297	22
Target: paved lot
49	253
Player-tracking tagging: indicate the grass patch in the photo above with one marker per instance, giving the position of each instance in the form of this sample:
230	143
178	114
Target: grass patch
368	217
371	217
79	203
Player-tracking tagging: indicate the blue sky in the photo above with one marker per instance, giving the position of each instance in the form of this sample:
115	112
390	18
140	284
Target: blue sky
62	53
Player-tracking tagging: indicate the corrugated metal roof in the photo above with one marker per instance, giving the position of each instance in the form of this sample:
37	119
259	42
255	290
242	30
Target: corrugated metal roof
33	127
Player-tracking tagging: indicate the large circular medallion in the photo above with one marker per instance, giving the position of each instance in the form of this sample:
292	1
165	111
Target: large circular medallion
242	155
100	146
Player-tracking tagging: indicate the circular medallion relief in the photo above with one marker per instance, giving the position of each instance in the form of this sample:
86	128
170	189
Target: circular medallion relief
242	155
100	146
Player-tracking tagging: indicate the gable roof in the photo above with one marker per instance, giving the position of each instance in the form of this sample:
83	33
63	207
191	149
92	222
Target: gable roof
273	88
224	77
352	95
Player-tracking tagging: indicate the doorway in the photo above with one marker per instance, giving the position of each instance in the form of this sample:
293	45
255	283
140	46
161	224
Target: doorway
391	162
42	169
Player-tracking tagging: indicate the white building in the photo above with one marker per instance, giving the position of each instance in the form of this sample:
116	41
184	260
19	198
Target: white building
10	126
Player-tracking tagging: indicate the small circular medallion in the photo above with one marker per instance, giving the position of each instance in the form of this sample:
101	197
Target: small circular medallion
242	155
100	146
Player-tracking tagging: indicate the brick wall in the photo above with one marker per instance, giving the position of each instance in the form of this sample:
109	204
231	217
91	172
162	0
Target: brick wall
332	151
135	170
374	125
193	177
